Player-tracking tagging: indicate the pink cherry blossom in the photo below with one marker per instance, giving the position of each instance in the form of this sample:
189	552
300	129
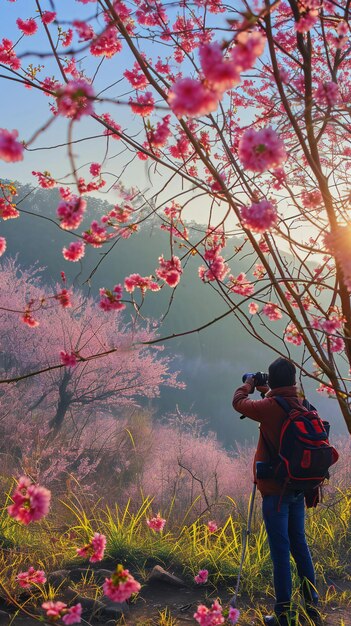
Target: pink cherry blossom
233	615
95	169
27	318
111	300
45	180
327	93
170	270
48	17
326	390
75	251
28	27
54	609
189	97
272	311
69	359
30	501
292	335
71	212
8	55
2	245
220	73
201	577
8	210
84	31
95	549
209	617
67	39
306	22
96	235
31	577
260	216
240	285
212	526
136	77
261	150
156	523
253	308
158	137
106	117
73	615
64	298
143	283
217	268
75	99
10	149
143	105
311	199
249	46
107	44
121	585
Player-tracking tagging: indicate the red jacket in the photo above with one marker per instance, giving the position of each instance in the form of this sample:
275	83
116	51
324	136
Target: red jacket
271	416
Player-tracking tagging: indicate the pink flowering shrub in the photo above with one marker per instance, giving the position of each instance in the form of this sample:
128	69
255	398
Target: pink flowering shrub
94	549
30	501
121	586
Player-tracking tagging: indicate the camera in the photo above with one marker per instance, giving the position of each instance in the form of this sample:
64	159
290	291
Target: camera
260	379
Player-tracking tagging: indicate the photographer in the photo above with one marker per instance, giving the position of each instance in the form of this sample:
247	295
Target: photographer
283	510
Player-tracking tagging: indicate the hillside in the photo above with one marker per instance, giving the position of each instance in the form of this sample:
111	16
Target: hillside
211	361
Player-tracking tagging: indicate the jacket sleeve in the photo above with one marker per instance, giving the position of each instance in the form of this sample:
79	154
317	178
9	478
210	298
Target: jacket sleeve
257	410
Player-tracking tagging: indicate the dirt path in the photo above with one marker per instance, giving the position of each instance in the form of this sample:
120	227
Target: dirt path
182	604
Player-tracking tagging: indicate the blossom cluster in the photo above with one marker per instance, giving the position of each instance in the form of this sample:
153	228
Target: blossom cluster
121	585
221	72
57	610
156	523
94	549
31	502
111	300
31	577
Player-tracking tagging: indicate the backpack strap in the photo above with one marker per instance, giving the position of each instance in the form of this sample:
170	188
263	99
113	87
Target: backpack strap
283	404
287	408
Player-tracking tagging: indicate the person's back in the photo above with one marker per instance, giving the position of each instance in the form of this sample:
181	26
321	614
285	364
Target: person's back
283	510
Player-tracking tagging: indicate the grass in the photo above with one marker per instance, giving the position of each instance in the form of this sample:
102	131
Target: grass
52	544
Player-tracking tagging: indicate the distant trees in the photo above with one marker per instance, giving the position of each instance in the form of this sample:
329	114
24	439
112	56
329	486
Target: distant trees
78	395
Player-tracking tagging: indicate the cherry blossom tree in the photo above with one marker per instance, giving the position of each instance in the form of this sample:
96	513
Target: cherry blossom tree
240	110
81	400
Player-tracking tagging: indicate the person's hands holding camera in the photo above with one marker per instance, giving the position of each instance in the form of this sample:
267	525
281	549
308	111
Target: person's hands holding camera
250	380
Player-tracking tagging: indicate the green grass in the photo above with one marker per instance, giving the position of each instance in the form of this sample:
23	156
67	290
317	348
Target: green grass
51	544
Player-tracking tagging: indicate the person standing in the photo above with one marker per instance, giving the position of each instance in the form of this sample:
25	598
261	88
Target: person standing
283	510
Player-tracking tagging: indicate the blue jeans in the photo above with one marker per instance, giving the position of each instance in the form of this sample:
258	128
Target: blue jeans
284	518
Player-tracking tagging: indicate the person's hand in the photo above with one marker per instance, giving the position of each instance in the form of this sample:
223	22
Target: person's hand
263	389
250	381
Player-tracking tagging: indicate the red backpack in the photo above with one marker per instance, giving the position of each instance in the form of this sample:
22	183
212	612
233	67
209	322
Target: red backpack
305	454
